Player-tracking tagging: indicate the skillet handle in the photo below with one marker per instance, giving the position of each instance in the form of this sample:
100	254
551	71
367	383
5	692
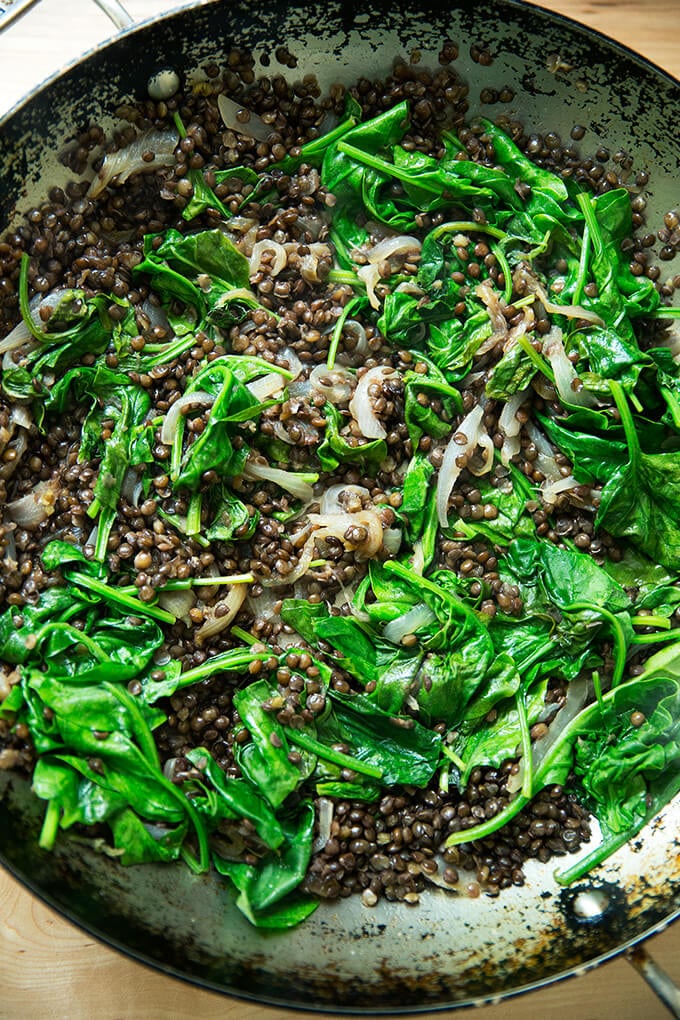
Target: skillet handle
657	979
115	11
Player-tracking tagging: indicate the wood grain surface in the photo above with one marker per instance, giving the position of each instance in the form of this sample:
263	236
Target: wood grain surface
53	971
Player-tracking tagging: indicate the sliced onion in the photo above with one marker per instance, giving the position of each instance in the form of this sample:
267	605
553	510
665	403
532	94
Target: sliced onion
392	540
21	416
299	389
545	461
254	127
267	385
565	373
479	466
510	427
178	603
492	301
230	606
125	162
336	385
569	311
30	511
287	480
186	403
471	428
331	502
157	317
418	558
19	447
551	489
409	623
17	337
280	432
578	693
10	554
294	364
403	244
298	571
370	276
360	404
242	224
280	258
324	821
337	525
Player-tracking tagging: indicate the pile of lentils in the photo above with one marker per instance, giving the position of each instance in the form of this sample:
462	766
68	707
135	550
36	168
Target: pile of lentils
391	848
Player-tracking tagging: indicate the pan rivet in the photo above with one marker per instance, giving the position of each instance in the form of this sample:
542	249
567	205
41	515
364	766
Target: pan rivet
590	904
163	84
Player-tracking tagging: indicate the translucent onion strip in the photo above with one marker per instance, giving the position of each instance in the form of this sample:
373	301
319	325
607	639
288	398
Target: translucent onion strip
510	426
361	407
455	459
186	403
567	382
227	608
409	623
278	251
31	510
336	385
287	480
251	125
130	160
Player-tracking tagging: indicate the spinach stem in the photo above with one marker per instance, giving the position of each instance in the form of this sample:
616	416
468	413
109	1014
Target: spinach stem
244	635
106	520
665	312
50	825
452	756
24	305
488	828
78	636
617	633
597	687
345	276
595	857
194	513
389	169
234	659
582	266
653	639
543	366
457	226
651	621
627	422
505	269
345	761
673	405
147	744
119	598
168	352
525	739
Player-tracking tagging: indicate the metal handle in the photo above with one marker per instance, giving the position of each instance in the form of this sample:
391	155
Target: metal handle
657	979
113	9
116	12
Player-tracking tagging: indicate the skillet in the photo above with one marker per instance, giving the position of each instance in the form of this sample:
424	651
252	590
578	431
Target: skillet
451	951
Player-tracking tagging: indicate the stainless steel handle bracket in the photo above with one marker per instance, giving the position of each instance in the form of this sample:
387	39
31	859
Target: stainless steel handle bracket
116	12
11	9
656	978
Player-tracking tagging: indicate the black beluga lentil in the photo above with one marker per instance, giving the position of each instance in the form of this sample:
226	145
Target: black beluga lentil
317	506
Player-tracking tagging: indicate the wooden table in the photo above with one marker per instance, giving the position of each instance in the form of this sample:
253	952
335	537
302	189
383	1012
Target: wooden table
51	970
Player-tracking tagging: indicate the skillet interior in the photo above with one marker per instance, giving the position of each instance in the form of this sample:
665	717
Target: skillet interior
449	950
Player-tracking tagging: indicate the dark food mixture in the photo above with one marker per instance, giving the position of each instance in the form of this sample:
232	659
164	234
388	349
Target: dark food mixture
357	479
